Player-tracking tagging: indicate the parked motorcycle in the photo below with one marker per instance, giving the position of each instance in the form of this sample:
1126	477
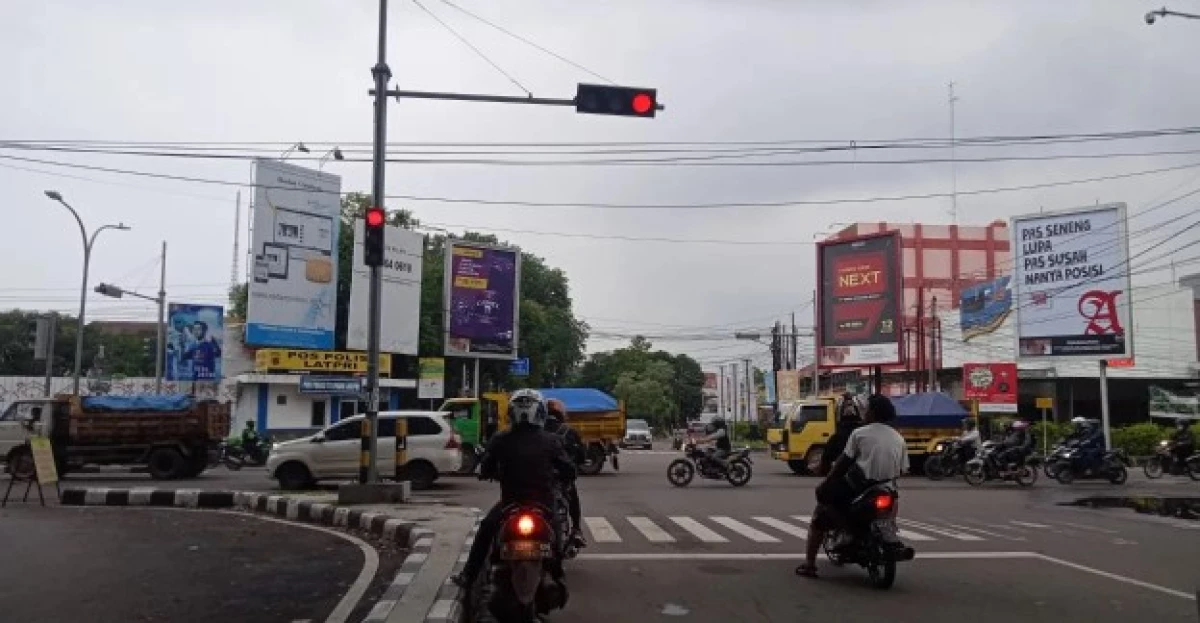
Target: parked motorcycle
868	537
1164	462
985	467
946	460
519	583
1112	467
700	460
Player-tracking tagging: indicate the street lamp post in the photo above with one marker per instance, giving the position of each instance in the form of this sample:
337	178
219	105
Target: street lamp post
300	147
1152	16
88	242
335	153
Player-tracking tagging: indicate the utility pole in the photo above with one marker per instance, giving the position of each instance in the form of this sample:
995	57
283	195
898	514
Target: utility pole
953	161
816	371
237	218
737	400
751	403
721	390
933	345
795	345
161	338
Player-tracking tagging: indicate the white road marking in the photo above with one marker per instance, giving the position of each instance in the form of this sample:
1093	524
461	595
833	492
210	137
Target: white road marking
650	530
667	556
1027	524
602	531
1088	528
1120	578
913	536
961	536
987	532
807	519
698	530
744	530
799	532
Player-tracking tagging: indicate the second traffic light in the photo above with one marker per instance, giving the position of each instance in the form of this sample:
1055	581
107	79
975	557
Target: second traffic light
599	99
374	221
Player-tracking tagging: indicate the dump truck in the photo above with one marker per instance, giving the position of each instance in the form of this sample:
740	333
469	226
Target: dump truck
597	417
803	428
169	436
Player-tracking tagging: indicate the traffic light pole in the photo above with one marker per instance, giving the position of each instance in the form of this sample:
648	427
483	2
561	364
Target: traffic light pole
368	469
474	97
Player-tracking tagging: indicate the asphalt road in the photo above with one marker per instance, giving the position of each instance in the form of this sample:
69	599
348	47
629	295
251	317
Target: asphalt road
719	552
120	565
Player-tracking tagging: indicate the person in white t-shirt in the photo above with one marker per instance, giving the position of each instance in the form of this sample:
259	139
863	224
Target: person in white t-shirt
875	453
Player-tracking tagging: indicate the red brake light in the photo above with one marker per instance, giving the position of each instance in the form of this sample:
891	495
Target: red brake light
883	502
452	443
525	525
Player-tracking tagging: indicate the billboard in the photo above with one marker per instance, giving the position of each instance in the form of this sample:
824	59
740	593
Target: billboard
769	386
860	297
400	292
194	337
1071	273
787	385
983	308
994	385
482	300
431	381
293	288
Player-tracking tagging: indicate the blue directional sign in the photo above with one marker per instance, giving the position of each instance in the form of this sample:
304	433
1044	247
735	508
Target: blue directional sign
332	385
519	367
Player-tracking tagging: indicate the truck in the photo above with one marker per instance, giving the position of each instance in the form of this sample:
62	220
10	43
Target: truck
803	427
170	436
597	417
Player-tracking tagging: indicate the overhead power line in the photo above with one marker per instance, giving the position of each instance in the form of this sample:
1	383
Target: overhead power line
474	49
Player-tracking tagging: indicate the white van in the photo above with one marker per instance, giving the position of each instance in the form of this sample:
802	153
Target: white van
332	454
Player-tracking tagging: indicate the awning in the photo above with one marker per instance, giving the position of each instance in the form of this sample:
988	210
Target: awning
294	379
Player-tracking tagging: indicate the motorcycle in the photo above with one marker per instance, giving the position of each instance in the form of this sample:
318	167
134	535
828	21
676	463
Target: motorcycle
984	467
1112	467
867	536
221	455
256	457
945	461
568	546
522	567
1164	461
700	460
1057	458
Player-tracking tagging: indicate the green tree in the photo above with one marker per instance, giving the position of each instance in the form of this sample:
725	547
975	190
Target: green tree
124	355
647	393
629	369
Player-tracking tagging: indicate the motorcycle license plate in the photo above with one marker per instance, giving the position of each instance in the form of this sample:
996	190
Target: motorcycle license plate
524	550
887	528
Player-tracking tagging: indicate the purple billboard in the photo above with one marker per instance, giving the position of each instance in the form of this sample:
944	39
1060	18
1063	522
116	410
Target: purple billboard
482	300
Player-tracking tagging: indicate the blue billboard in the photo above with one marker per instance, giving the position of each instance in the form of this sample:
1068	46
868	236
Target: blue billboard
984	307
194	337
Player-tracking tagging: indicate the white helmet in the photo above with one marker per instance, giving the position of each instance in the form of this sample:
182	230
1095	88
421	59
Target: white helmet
527	406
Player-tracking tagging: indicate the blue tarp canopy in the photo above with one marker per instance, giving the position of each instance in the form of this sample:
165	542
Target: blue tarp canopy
582	400
169	402
928	410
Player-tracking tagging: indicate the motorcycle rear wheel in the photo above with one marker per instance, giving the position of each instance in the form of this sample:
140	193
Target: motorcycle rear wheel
1026	476
882	574
680	472
933	468
1153	467
1117	474
1065	475
974	475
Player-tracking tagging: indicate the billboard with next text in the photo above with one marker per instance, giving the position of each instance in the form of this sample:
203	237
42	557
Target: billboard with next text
860	297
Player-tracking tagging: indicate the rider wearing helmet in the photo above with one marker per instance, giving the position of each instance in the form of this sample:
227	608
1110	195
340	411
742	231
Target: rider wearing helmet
718	432
528	461
968	442
1017	444
556	424
1183	441
849	419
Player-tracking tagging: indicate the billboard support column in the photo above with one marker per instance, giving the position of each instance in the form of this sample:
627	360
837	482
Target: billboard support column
475	380
159	344
816	383
1104	403
369	473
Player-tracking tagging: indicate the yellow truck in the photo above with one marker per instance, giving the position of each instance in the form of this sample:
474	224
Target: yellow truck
802	428
597	417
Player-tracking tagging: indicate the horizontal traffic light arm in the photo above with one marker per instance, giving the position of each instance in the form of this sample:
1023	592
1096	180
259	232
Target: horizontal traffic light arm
496	99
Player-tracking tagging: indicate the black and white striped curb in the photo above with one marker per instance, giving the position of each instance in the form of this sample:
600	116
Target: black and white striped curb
449	605
410	536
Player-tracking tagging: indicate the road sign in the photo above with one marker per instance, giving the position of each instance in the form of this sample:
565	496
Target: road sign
1124	362
519	367
332	385
1045	403
43	460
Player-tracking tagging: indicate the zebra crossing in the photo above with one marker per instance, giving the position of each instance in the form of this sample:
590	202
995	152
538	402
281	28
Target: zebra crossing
765	530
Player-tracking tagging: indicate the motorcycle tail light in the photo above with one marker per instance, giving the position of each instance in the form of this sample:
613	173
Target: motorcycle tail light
883	503
526	525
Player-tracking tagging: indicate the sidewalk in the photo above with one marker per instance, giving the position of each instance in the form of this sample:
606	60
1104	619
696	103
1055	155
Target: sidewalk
433	535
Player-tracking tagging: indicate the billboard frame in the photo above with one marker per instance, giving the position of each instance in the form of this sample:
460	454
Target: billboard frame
898	299
1018	288
447	285
177	310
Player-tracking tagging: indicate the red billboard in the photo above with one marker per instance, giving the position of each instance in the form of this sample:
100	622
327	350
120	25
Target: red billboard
710	380
861	296
994	385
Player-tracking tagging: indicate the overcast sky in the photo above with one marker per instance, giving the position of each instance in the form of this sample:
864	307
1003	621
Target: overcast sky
755	70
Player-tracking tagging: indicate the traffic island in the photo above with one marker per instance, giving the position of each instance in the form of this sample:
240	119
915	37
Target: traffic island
375	493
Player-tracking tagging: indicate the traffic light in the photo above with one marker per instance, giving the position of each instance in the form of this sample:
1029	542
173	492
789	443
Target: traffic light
599	99
375	219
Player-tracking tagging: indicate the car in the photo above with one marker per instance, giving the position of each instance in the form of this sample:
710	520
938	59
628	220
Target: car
637	434
333	454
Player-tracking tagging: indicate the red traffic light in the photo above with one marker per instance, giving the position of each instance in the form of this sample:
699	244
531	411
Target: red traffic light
375	217
642	103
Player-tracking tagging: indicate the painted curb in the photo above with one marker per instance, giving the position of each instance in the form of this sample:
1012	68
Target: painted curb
418	541
449	606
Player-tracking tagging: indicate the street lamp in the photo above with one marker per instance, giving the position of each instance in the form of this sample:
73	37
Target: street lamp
335	153
300	147
88	241
1152	16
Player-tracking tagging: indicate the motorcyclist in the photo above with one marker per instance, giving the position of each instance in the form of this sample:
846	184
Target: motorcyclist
718	432
250	439
849	419
1183	441
1017	444
875	453
1091	444
556	423
968	441
528	461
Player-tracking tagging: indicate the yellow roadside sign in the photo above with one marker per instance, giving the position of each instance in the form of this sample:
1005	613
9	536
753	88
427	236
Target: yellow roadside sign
43	460
1045	403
